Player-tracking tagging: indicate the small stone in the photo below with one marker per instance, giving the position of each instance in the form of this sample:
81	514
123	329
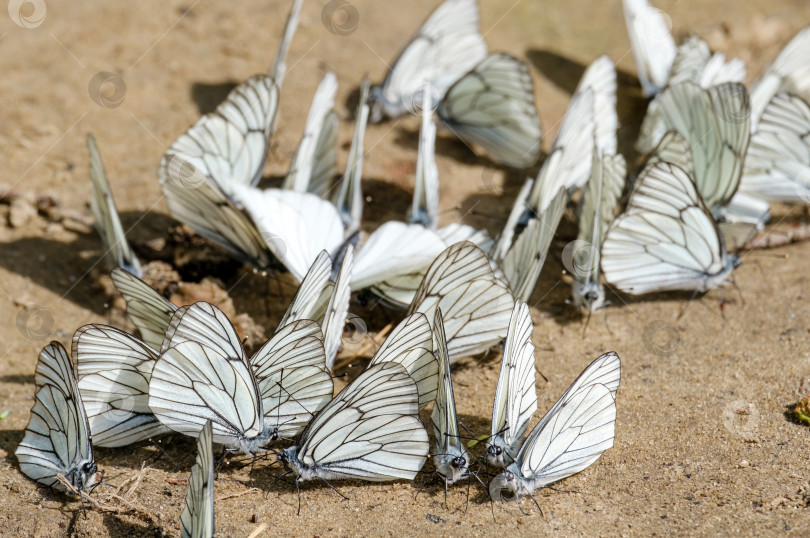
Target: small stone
20	212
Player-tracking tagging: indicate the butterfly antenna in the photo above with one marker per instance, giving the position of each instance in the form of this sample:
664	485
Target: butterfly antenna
587	322
536	504
298	489
345	498
177	465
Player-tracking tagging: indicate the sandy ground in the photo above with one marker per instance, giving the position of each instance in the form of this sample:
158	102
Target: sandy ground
704	441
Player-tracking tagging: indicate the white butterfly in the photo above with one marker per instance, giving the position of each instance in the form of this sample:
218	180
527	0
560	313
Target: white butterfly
446	46
106	216
369	431
315	162
451	459
410	344
148	310
203	373
571	436
197	519
651	40
515	396
492	108
349	196
114	369
789	72
57	438
599	203
777	165
224	150
666	239
475	303
715	123
425	206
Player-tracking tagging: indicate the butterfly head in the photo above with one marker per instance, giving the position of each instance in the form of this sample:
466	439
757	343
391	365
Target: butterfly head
376	105
505	486
588	296
85	476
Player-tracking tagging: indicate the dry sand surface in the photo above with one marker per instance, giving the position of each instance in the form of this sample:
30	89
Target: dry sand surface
704	441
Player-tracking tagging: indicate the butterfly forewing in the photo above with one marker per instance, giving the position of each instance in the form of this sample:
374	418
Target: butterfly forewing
197	519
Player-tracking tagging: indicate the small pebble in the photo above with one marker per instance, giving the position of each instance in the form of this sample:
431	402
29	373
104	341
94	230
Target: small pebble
743	464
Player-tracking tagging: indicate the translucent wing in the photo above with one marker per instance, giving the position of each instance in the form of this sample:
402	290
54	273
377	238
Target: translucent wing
446	46
206	324
716	123
694	62
197	519
199	204
425	206
57	438
313	294
337	308
395	250
474	302
148	310
114	370
192	384
578	429
106	216
777	165
674	149
524	261
456	232
370	430
666	239
410	344
349	196
294	226
304	163
492	107
519	208
651	40
444	417
290	369
515	395
790	72
600	77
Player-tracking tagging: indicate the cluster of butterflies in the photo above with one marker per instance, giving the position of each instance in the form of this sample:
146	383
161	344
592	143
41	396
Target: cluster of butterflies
189	374
717	153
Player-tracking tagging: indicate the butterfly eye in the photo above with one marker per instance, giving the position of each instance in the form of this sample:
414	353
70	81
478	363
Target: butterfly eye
89	467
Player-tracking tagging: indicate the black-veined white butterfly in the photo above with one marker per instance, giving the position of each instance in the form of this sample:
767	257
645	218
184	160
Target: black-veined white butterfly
516	395
106	215
666	239
114	369
777	165
57	438
789	72
203	373
491	108
694	62
315	163
425	206
571	436
652	44
197	519
222	151
410	344
369	431
599	203
446	46
451	459
474	301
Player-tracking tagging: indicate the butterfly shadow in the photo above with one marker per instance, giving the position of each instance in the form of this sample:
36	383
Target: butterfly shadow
118	526
207	96
165	453
9	440
630	103
495	191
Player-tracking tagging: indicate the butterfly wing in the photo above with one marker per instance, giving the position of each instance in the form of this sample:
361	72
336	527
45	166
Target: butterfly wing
370	430
446	46
148	310
57	438
290	369
338	307
114	370
349	196
474	302
444	417
577	429
652	44
106	216
410	344
666	239
789	72
206	324
312	297
492	107
197	519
